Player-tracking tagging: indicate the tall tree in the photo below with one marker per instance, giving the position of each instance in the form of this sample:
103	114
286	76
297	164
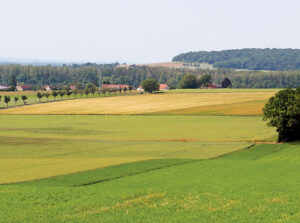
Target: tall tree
283	112
150	85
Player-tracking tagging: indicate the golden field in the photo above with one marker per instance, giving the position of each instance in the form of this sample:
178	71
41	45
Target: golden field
229	103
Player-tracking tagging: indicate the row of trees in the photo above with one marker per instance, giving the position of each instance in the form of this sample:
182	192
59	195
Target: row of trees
89	89
7	99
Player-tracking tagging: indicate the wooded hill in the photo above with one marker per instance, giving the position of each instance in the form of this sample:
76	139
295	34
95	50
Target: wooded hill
252	59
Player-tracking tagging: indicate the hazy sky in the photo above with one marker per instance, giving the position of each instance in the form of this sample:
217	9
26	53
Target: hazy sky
142	30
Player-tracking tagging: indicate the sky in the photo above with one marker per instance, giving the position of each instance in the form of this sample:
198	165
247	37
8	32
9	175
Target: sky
142	31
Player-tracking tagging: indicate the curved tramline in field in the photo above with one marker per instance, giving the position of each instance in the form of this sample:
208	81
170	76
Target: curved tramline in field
219	103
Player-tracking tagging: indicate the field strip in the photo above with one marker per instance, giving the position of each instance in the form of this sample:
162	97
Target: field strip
140	104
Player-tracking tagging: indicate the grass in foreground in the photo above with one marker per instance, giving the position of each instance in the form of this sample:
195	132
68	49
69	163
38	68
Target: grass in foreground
33	147
156	103
260	184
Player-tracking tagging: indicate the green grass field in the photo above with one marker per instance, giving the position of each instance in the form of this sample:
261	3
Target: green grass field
260	184
51	144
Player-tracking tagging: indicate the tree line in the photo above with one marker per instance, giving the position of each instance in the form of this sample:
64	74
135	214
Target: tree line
62	76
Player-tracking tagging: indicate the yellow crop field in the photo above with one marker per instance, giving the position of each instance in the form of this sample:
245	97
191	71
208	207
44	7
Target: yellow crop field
228	103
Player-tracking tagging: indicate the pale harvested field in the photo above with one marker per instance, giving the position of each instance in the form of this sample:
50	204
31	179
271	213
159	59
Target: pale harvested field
147	104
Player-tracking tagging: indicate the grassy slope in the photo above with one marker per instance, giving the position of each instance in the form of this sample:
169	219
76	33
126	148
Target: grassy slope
33	147
145	104
255	185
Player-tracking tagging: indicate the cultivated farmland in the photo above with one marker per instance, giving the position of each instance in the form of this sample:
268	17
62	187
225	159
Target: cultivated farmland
178	103
173	157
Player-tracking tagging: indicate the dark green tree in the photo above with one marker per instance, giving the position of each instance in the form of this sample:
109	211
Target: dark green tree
150	85
283	112
188	81
226	83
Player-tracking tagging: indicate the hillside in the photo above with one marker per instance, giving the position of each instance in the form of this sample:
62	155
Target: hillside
252	59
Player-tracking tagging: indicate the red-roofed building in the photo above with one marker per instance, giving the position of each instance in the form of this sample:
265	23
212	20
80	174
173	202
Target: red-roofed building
163	87
211	86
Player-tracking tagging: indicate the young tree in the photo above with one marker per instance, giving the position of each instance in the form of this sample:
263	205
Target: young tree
120	90
125	89
226	83
283	112
93	90
68	93
24	98
205	80
188	81
54	94
61	93
130	88
86	92
39	95
16	99
75	92
0	98
47	95
150	85
81	93
6	100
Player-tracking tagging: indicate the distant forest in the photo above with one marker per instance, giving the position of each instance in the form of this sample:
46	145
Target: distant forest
134	75
252	59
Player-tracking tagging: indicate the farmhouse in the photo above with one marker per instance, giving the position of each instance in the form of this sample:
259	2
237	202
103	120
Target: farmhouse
3	87
47	87
107	86
163	87
19	88
211	86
